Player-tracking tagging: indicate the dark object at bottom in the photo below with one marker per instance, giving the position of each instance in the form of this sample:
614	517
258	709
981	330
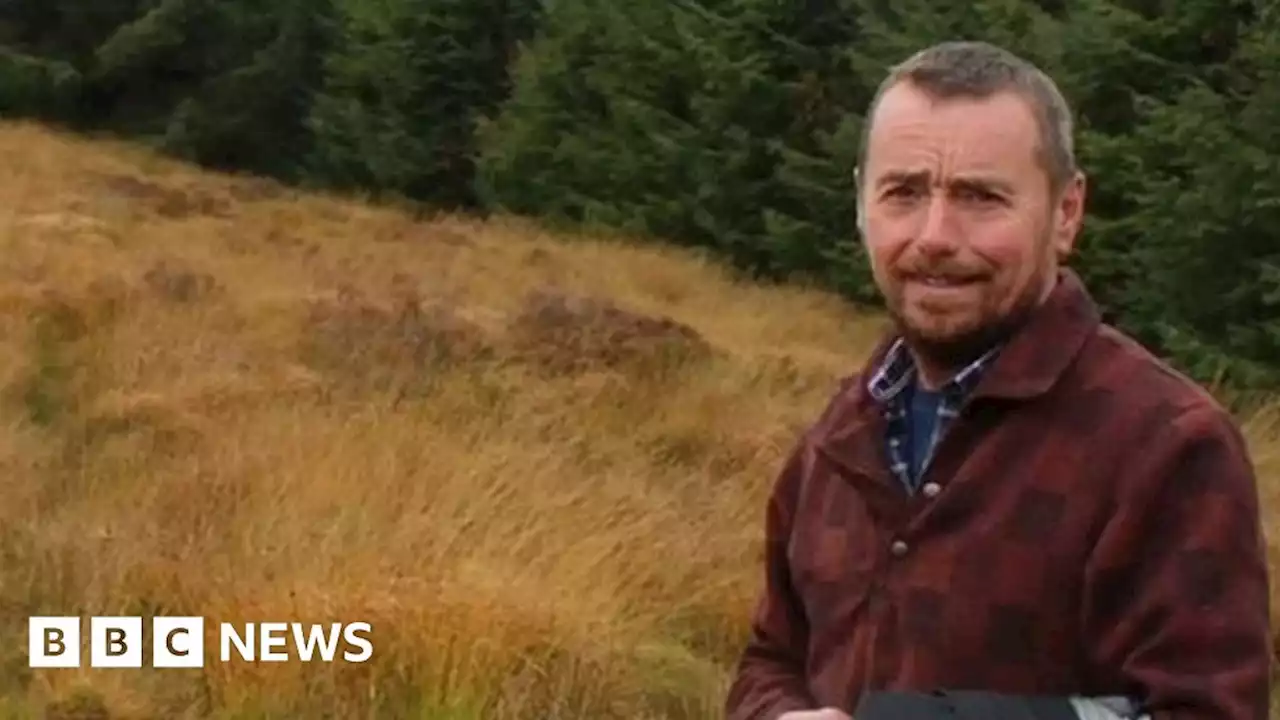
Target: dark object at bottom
961	705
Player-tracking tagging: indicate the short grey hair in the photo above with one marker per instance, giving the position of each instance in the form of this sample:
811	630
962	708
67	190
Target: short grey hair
975	69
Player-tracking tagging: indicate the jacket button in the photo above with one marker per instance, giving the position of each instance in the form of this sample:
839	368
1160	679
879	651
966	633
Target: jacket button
899	548
932	489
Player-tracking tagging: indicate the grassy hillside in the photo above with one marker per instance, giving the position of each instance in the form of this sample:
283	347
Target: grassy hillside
537	465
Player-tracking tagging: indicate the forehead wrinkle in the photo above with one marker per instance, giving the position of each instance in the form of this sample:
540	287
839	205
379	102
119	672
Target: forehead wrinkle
974	170
905	120
907	149
952	163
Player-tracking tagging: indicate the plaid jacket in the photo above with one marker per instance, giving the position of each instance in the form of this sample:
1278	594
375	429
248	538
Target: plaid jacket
1094	531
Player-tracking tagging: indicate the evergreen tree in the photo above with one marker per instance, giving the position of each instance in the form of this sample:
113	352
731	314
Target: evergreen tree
252	114
37	87
1211	210
676	120
402	93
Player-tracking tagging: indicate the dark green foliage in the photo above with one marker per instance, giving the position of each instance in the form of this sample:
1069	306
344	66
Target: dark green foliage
725	125
723	131
403	89
35	86
251	114
1213	210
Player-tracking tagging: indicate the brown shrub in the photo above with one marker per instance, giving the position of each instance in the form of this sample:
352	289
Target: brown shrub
178	283
67	328
564	335
390	344
253	189
169	202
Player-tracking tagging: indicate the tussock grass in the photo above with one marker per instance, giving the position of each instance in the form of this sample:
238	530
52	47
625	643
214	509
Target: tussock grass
223	398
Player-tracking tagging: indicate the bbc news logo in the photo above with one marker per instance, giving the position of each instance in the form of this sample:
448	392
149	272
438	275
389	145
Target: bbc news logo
178	642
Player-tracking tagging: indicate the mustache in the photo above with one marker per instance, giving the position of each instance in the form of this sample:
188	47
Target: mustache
945	270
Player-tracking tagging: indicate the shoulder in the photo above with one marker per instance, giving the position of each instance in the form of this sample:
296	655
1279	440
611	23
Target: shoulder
794	478
1140	386
850	399
1157	417
848	403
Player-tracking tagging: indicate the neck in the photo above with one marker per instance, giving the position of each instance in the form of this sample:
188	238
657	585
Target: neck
932	371
931	376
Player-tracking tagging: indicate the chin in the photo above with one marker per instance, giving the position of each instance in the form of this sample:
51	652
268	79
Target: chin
944	341
941	336
948	337
931	327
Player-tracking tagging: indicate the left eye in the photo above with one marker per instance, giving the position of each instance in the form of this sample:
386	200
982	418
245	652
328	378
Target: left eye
978	195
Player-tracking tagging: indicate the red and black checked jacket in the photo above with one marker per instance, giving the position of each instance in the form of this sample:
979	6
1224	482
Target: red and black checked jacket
1096	533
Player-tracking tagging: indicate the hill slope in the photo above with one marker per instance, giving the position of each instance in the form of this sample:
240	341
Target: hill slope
229	400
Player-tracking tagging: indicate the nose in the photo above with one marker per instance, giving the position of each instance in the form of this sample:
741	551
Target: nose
937	232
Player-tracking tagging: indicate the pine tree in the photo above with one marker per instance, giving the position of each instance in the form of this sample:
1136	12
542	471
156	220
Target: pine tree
599	128
702	123
250	114
403	90
1210	211
37	87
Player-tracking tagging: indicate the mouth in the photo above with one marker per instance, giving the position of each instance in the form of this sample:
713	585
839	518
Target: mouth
942	281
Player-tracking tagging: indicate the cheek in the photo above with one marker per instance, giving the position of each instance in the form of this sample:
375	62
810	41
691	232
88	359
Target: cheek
1017	266
884	248
1010	251
884	254
884	260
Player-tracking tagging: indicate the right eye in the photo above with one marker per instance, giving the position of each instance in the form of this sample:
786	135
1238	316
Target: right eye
901	192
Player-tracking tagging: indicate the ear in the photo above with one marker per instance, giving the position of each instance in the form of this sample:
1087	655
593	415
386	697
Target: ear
1069	215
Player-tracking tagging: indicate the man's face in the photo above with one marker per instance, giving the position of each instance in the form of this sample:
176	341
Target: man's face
963	233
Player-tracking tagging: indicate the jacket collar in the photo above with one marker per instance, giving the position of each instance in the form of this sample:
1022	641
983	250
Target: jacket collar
1036	356
1029	365
1039	355
898	371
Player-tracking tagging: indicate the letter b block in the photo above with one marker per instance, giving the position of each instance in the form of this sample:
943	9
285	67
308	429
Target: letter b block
53	642
115	642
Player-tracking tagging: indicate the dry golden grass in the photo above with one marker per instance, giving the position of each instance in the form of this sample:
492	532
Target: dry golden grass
229	400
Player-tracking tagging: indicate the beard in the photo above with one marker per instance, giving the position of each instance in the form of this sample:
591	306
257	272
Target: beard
960	344
952	334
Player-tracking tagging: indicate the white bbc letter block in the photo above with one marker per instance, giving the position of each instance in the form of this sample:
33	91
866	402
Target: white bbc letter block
115	642
53	642
177	642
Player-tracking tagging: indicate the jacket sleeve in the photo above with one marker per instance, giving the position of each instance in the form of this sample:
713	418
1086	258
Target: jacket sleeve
770	678
1176	593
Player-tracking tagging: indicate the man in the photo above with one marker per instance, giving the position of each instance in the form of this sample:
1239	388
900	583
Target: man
1011	496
